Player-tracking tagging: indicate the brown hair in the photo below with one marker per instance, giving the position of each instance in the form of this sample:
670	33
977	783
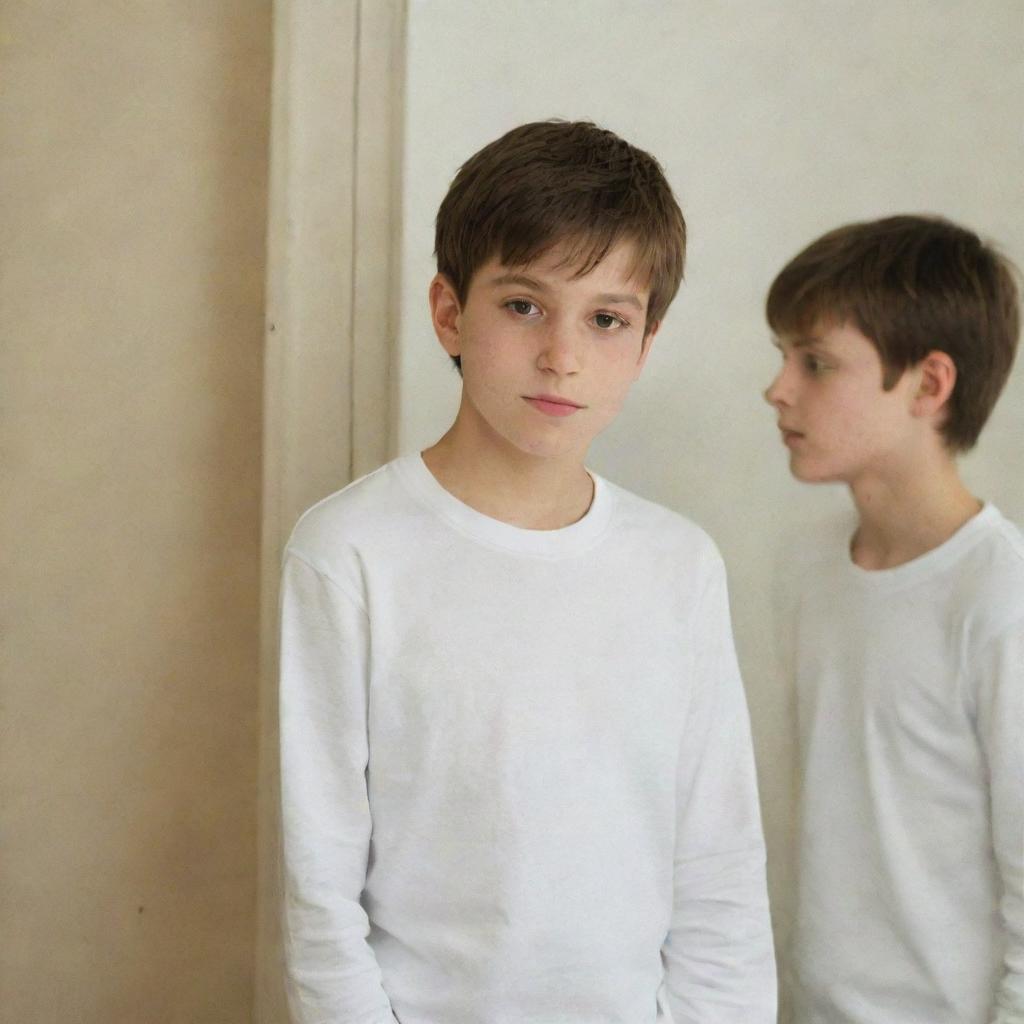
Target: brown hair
912	285
562	182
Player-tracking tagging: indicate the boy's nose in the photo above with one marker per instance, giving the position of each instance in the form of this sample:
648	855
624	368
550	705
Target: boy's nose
775	394
560	352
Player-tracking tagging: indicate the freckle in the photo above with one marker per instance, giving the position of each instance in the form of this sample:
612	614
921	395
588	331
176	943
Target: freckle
141	909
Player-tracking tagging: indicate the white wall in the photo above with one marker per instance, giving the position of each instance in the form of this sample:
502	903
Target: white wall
774	122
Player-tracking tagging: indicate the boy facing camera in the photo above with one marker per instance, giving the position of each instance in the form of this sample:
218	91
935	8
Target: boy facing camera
516	764
897	337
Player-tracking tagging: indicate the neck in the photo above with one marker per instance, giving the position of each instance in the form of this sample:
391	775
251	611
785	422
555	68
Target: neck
514	487
909	513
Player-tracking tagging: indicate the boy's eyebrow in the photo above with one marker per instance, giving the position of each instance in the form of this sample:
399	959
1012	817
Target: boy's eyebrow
800	341
613	298
523	279
605	298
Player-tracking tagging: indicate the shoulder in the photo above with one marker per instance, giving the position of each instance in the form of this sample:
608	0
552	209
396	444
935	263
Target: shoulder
368	510
990	577
1000	546
653	533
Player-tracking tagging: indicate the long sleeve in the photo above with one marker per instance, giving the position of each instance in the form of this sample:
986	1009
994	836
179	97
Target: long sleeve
1000	708
719	959
332	974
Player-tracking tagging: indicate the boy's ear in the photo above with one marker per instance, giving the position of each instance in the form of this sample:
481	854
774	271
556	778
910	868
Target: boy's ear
936	380
444	313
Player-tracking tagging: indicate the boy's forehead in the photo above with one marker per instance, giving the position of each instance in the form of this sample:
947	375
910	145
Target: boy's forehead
841	338
819	331
797	339
614	274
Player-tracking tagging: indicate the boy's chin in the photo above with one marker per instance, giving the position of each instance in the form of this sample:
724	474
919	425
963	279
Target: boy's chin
813	474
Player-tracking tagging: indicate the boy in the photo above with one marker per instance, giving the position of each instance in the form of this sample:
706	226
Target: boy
517	774
896	339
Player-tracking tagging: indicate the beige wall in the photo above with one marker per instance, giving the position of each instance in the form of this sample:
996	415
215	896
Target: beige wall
133	191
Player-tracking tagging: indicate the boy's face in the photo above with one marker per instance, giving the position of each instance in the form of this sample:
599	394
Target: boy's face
835	417
547	359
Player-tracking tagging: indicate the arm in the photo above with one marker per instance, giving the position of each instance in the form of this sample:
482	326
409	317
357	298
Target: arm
719	960
1000	707
332	974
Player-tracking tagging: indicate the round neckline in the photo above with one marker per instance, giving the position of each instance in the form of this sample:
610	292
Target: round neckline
935	560
557	543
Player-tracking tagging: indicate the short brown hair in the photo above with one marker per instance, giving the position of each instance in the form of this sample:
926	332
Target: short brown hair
553	182
912	285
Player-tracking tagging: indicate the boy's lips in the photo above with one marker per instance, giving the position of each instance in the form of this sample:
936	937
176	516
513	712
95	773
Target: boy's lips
553	405
789	436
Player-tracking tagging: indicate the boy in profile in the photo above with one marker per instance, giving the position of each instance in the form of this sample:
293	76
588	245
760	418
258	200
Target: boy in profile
897	337
517	773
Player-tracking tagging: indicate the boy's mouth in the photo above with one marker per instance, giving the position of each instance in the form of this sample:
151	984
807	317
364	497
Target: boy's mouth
553	405
789	435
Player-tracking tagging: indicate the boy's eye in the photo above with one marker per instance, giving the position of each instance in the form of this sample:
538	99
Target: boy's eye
608	321
813	364
522	307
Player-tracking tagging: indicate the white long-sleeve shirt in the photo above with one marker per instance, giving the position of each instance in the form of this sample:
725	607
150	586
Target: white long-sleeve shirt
911	720
516	767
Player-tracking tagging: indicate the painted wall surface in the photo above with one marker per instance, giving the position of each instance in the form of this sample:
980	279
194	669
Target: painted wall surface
133	190
774	122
